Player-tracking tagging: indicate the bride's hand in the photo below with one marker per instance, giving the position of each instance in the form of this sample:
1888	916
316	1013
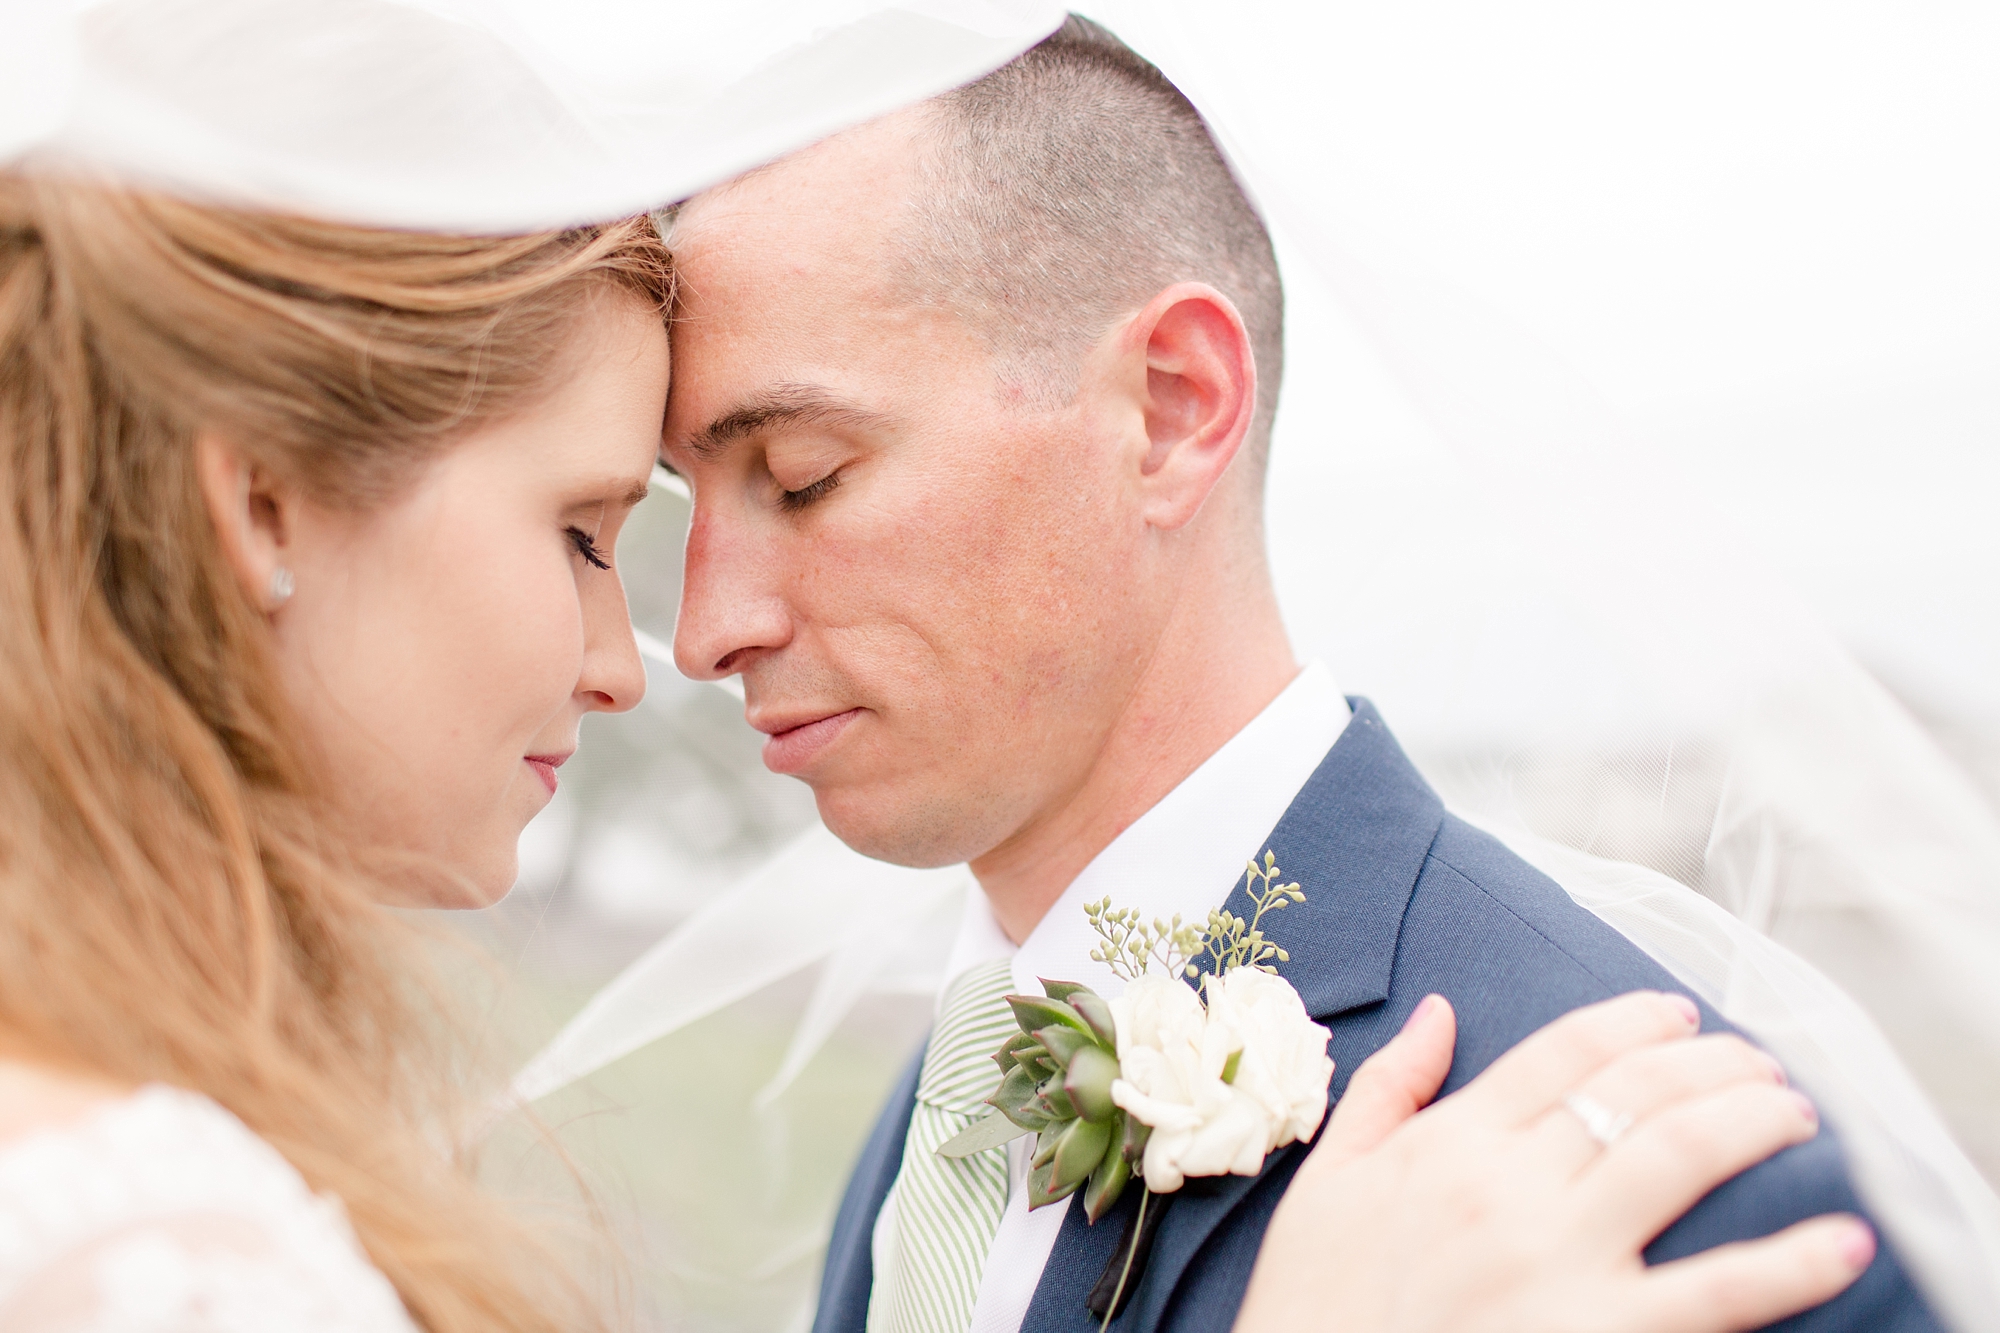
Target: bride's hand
1496	1210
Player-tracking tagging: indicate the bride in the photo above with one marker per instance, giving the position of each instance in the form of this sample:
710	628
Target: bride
308	576
311	563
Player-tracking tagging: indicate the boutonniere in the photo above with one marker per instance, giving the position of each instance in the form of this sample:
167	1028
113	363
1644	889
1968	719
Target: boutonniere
1192	1071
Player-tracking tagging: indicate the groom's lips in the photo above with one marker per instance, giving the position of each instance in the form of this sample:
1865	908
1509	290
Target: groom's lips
794	742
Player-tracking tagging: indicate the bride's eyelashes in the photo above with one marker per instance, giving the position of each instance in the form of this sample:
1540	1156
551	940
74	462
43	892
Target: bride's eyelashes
806	496
586	546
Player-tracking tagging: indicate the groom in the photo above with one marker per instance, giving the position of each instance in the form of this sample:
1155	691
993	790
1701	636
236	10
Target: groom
974	402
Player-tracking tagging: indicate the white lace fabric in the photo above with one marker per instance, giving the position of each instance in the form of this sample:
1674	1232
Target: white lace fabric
161	1213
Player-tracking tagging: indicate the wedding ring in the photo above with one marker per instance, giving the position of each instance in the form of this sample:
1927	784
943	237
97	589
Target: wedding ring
1599	1121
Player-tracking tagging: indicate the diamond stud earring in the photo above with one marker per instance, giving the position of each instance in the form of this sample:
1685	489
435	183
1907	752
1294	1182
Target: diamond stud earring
282	585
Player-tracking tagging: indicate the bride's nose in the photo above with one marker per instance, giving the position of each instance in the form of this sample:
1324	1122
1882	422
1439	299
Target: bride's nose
613	678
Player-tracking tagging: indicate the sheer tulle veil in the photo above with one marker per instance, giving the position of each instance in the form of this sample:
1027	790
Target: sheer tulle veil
1613	686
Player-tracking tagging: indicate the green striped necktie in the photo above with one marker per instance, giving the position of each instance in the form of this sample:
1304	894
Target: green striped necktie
946	1213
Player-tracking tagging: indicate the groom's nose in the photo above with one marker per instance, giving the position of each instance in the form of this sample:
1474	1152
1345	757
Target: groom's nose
731	610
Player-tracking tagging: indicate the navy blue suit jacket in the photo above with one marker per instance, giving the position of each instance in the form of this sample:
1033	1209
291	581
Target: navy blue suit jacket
1402	900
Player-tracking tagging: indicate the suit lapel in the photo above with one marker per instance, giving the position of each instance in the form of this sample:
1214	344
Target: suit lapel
1354	839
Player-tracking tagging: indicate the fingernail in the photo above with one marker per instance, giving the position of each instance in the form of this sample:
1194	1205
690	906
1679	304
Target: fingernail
1857	1247
1806	1108
1777	1070
1689	1013
1424	1007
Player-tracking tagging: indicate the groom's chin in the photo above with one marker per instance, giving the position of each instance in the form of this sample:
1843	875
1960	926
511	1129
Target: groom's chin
918	832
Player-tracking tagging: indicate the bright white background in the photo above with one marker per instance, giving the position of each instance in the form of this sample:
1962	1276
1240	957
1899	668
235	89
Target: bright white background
1764	232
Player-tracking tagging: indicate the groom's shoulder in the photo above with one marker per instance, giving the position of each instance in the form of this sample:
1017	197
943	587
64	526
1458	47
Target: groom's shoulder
1467	870
1509	947
1513	951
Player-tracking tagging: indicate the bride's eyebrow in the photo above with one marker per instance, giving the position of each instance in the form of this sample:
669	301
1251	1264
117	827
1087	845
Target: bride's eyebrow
619	491
786	405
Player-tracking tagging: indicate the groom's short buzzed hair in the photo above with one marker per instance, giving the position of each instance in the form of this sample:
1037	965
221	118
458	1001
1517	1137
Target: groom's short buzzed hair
1065	189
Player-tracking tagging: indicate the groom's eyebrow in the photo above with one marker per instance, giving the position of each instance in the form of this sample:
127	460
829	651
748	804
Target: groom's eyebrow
787	405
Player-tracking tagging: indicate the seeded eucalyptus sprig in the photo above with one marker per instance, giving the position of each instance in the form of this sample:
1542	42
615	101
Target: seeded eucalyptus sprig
1232	942
1056	1076
1131	946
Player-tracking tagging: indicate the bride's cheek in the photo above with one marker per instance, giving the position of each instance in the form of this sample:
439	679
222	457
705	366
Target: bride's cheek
548	633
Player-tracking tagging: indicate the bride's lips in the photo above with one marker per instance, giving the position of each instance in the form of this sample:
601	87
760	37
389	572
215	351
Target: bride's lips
545	766
794	742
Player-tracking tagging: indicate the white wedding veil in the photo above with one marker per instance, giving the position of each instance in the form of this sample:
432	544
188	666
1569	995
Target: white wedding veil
448	114
1566	634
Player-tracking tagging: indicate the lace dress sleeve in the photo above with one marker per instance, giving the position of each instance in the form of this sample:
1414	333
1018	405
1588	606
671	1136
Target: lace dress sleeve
161	1213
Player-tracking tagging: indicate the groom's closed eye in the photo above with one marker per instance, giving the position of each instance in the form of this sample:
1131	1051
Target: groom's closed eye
806	496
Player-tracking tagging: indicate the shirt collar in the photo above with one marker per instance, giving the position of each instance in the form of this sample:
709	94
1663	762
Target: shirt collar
1186	853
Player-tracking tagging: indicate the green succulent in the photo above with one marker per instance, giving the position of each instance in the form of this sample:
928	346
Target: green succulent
1055	1082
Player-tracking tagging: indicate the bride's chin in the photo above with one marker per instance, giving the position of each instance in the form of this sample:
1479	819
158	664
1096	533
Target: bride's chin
471	895
445	891
493	880
474	864
455	877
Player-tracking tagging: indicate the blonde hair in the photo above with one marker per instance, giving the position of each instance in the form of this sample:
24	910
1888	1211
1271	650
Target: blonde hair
176	903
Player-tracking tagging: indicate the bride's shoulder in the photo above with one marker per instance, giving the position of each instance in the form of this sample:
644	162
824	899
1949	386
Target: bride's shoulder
35	1097
158	1210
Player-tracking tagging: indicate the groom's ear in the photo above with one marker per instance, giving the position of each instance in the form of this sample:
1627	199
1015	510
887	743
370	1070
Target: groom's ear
1198	396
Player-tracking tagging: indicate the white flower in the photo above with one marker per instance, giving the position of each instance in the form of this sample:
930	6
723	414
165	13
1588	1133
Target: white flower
1284	1065
1172	1066
1174	1053
1155	1012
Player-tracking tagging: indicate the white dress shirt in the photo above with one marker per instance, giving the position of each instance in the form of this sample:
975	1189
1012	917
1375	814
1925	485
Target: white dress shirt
1182	856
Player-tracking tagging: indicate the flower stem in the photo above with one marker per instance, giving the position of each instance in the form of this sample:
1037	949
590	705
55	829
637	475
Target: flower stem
1138	1230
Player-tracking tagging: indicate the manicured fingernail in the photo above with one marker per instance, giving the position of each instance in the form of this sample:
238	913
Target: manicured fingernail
1806	1108
1857	1247
1689	1012
1777	1070
1424	1008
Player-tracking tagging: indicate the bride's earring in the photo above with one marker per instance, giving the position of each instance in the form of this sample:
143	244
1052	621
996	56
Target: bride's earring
282	585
